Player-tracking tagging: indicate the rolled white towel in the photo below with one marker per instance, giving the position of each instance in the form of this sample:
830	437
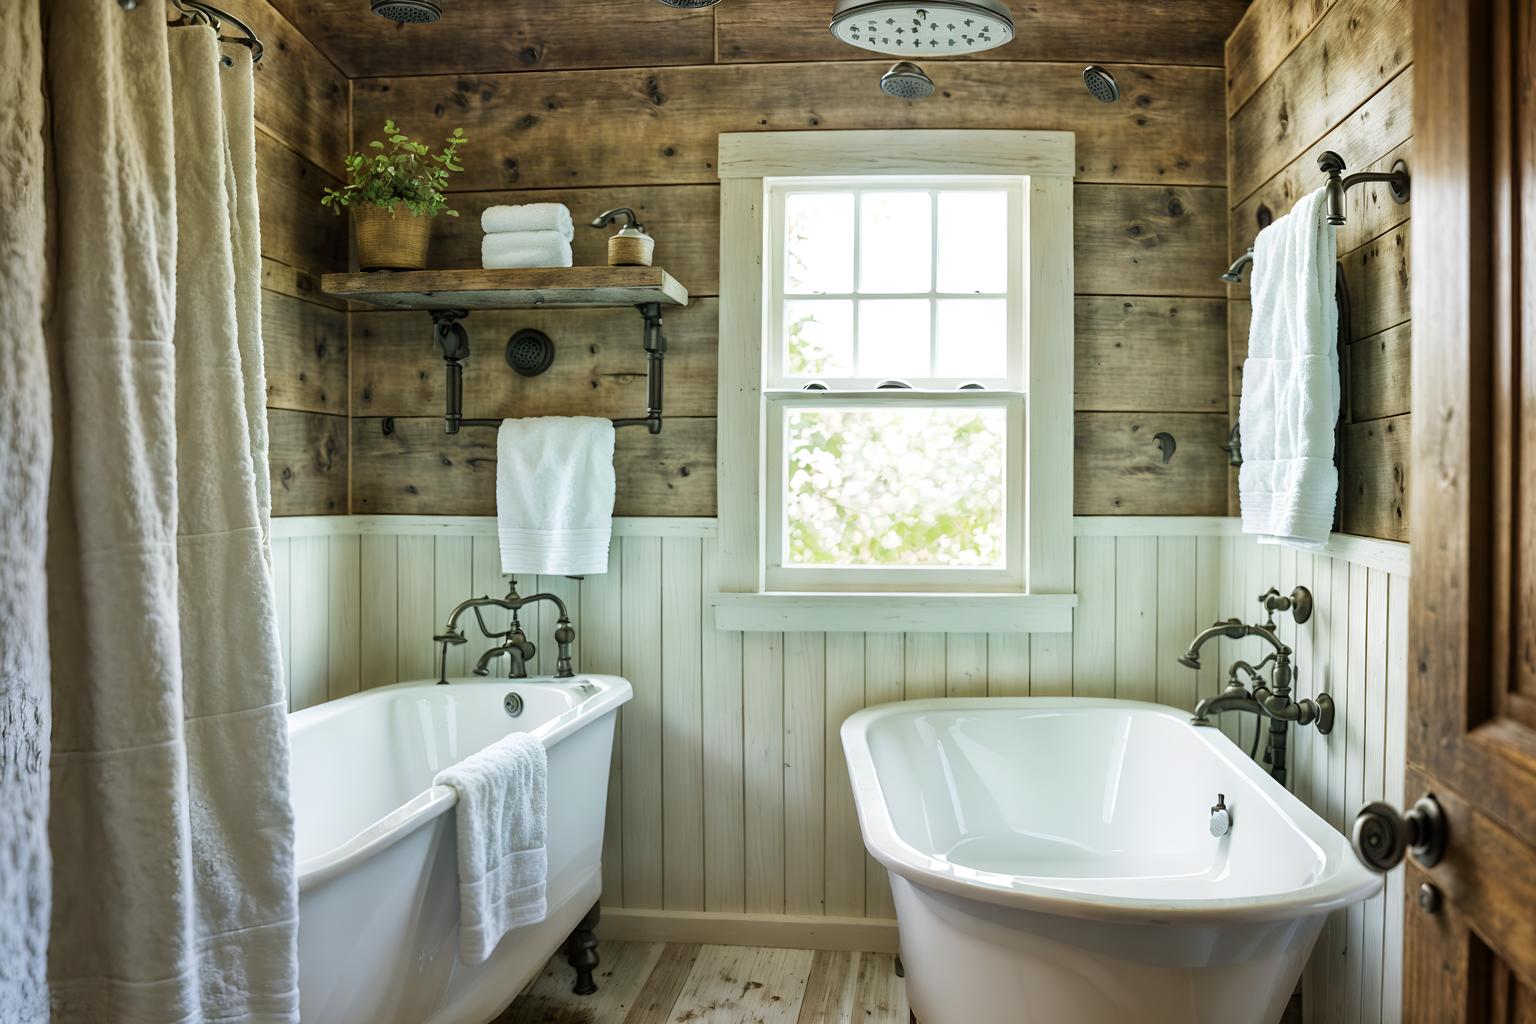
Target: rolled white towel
524	249
529	217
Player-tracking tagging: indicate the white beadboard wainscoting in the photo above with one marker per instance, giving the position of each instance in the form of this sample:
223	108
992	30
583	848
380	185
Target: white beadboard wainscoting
729	812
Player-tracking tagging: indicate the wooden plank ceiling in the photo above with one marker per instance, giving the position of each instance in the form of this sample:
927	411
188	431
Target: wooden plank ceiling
483	36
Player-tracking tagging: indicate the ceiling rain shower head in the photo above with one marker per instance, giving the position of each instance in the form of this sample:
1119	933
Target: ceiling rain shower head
1101	83
408	11
689	4
938	29
906	81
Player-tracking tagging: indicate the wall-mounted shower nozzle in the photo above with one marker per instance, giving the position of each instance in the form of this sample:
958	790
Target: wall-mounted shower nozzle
906	81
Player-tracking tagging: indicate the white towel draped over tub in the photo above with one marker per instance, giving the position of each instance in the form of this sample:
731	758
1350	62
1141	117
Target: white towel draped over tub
175	896
1288	483
500	823
554	494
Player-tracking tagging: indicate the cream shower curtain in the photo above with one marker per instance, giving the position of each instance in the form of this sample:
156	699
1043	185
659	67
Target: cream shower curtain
174	895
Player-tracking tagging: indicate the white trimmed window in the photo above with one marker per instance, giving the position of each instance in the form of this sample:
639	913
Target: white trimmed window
895	380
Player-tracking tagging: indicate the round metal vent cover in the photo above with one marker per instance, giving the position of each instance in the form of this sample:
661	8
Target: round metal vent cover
530	352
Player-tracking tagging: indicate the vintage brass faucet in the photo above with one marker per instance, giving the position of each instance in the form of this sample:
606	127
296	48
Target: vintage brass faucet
515	643
1270	699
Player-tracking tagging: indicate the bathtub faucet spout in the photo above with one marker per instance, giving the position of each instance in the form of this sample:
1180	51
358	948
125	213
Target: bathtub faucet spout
515	643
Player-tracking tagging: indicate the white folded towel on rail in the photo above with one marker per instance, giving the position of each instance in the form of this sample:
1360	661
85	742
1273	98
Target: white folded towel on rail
1288	483
500	821
554	495
509	249
529	217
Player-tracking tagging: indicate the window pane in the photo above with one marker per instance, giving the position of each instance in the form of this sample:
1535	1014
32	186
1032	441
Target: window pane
896	486
894	338
896	242
973	242
818	243
973	338
818	337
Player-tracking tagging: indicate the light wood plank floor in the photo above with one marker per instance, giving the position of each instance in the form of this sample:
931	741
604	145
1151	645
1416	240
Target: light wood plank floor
657	983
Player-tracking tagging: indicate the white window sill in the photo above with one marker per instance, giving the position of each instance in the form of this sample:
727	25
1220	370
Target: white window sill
894	613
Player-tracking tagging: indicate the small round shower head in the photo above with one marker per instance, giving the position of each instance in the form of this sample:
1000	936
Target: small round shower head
689	4
906	81
1101	83
416	12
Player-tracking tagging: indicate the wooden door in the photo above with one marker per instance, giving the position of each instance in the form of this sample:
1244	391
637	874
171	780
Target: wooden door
1470	944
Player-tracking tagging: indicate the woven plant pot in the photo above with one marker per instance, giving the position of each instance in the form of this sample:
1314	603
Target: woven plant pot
391	241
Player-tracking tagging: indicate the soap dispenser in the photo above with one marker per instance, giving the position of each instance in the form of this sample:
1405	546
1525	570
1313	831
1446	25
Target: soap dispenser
631	247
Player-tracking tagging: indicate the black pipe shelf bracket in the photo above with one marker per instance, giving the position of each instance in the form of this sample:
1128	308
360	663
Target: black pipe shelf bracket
451	339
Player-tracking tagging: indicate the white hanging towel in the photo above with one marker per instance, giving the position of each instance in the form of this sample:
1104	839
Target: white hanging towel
529	217
554	495
1288	484
500	822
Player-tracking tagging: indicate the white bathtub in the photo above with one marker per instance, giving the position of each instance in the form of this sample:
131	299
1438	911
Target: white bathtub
1052	861
378	882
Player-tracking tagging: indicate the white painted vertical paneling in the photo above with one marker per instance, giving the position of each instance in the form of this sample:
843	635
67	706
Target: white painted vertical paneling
452	581
1135	619
729	791
762	686
1355	724
600	620
282	586
965	665
1093	623
344	556
724	818
416	580
309	626
884	681
640	644
1050	665
1008	665
378	611
1208	608
682	718
1177	594
925	657
844	846
1397	729
805	788
1374	910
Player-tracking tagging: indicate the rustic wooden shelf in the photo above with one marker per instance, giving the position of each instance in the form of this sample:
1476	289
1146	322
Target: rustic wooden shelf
509	289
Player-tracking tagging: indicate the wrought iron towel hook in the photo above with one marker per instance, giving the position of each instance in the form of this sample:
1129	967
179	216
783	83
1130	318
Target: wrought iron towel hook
1398	181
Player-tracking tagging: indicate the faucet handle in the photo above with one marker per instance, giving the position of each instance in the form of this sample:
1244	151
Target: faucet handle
1298	603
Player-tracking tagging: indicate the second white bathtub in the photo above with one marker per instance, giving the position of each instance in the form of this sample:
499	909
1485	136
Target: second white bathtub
1053	860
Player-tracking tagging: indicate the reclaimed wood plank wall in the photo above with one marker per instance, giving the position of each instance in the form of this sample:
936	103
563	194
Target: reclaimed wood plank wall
1304	76
302	102
558	111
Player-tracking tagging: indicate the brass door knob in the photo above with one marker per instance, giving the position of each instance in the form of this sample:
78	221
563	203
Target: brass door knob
1381	836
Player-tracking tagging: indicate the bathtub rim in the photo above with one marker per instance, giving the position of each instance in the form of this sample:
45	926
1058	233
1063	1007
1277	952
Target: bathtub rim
434	801
1343	882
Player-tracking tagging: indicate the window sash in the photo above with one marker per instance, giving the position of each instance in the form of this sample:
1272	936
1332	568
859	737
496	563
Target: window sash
778	576
779	189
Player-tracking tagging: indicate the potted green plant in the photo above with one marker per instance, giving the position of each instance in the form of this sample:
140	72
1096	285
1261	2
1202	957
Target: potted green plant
394	193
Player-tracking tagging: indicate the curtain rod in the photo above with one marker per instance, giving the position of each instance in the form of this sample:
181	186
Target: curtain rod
194	12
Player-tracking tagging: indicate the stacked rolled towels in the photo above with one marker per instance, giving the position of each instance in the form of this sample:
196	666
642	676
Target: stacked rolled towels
534	235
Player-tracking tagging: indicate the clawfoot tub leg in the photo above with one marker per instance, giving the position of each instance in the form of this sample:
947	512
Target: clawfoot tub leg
581	952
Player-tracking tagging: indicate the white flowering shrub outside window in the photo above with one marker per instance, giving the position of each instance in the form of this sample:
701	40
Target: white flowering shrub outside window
894	384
